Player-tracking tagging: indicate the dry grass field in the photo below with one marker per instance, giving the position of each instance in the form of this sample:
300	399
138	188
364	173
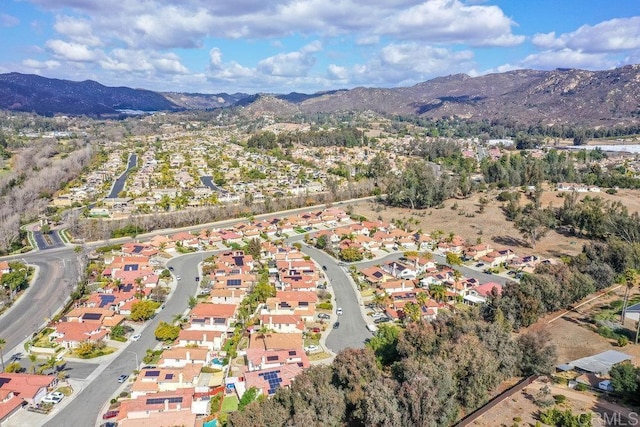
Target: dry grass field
491	226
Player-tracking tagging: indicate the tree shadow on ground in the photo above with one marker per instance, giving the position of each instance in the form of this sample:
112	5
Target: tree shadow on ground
510	241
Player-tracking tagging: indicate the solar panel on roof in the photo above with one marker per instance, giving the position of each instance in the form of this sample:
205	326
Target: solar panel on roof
272	358
92	316
131	267
106	300
161	400
152	373
234	282
127	288
168	377
137	249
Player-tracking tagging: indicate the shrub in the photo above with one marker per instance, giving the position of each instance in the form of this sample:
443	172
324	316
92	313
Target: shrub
581	387
560	398
325	305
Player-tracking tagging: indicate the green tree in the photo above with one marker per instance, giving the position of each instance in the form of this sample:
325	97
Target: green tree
538	353
117	331
351	254
249	396
167	332
534	224
143	310
453	259
193	301
412	312
253	248
625	377
13	367
384	344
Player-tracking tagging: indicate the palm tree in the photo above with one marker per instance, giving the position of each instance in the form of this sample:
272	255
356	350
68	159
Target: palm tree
412	312
33	359
422	298
50	363
438	292
630	277
3	342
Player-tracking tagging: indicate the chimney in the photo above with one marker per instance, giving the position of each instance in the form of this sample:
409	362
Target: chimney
188	355
180	378
166	404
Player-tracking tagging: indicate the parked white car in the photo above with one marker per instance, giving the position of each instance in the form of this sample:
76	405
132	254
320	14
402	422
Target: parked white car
54	397
311	348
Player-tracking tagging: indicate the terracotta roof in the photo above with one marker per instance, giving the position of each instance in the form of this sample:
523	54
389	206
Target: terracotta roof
26	386
214	310
275	341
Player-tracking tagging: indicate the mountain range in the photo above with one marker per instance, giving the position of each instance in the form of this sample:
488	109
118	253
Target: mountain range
561	96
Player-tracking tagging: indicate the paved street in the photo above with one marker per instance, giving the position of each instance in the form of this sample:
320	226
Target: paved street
54	240
56	278
353	329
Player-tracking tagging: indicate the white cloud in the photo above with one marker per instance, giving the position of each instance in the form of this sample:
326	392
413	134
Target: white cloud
215	58
78	30
8	21
336	72
40	65
452	21
70	51
292	64
609	36
139	61
567	58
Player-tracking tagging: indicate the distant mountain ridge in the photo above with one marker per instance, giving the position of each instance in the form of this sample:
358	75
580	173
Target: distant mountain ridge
562	96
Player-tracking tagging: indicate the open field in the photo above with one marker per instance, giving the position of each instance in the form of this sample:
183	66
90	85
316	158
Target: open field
491	226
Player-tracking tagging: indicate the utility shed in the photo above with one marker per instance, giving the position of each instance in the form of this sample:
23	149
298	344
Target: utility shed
599	364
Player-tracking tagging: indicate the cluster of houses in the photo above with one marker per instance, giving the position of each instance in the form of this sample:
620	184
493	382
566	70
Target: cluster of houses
179	386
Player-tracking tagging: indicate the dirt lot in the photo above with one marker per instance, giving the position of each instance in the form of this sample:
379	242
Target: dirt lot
520	407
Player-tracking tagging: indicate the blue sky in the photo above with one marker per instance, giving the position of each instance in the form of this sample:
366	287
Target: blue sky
282	46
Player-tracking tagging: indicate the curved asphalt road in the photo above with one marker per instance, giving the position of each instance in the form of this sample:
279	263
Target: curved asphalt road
353	330
85	408
56	278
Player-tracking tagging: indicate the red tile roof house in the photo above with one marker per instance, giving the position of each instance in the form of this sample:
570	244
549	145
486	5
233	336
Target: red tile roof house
227	296
4	267
480	293
393	286
456	245
282	323
496	258
228	237
159	409
71	334
213	340
213	317
375	275
28	387
400	270
178	357
10	403
292	302
154	380
185	239
283	376
478	251
259	359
